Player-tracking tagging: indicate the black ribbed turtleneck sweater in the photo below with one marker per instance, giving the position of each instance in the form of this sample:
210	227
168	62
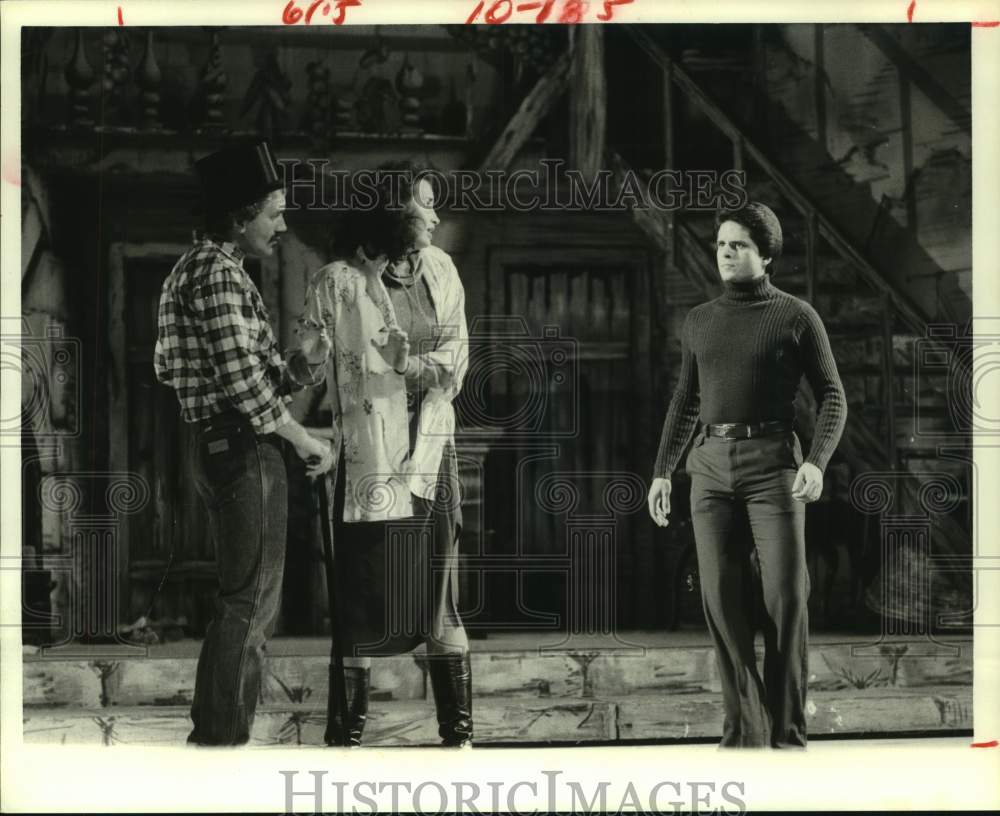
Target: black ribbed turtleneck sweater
742	358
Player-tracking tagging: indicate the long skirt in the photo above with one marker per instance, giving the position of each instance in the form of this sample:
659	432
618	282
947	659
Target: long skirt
396	582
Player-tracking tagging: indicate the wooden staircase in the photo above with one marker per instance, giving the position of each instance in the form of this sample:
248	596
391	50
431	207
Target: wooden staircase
901	414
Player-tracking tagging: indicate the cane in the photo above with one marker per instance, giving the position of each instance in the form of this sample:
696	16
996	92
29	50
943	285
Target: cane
336	647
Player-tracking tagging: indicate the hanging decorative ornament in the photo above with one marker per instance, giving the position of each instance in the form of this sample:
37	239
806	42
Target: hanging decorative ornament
79	77
149	77
316	119
470	98
535	47
212	87
409	83
35	56
116	47
371	105
270	91
343	112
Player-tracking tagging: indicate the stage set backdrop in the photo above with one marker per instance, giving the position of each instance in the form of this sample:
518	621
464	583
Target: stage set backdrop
858	136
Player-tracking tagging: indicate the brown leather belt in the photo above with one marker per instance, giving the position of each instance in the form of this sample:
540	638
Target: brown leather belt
740	430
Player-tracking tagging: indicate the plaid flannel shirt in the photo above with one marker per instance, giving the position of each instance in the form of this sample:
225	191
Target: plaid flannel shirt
215	346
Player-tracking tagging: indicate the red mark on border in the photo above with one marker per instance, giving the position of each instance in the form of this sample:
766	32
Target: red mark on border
606	15
909	11
573	11
990	24
120	20
543	15
475	13
342	7
12	171
494	16
990	744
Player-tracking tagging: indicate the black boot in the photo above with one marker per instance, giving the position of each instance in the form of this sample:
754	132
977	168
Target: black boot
451	682
358	681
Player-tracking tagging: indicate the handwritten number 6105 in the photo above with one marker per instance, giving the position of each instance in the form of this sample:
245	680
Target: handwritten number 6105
293	14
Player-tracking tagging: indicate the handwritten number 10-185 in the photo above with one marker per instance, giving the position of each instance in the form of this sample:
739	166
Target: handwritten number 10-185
572	11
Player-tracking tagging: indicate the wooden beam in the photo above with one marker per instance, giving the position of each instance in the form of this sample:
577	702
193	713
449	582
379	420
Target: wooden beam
906	132
919	76
532	110
698	265
587	100
889	385
655	223
819	83
812	252
760	107
685	83
669	150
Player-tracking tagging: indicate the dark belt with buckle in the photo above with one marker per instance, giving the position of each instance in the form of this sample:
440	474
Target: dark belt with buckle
228	418
740	430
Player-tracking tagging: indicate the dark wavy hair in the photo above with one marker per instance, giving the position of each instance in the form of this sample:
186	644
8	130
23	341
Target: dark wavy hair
367	229
386	227
762	224
399	181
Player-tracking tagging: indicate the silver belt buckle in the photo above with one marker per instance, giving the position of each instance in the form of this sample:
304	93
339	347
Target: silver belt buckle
726	427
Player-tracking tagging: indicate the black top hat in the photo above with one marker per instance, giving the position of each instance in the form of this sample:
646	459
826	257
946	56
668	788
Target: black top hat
237	176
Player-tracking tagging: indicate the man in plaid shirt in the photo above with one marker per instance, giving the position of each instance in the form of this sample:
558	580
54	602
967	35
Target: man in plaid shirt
216	349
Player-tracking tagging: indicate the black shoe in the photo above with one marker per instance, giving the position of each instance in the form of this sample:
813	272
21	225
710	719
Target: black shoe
358	681
451	682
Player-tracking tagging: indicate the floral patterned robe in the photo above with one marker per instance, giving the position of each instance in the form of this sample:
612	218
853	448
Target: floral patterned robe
369	398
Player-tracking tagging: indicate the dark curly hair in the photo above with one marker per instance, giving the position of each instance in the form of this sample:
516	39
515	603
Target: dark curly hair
367	229
762	224
385	227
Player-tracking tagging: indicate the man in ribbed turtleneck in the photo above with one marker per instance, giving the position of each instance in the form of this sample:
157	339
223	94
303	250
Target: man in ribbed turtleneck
743	356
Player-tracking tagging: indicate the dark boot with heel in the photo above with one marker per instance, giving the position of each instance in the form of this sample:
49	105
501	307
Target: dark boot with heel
358	681
451	682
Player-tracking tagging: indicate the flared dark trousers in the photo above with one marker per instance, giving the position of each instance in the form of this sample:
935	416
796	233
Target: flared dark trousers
757	474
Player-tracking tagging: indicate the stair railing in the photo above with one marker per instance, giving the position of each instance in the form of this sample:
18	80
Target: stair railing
742	147
896	303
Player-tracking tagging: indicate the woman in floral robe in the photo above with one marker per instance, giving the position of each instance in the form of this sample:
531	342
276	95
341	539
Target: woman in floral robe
391	311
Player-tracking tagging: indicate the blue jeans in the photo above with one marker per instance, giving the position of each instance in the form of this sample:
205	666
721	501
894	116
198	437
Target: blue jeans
758	473
242	479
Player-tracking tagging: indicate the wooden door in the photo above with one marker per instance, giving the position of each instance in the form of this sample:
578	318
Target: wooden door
566	481
149	438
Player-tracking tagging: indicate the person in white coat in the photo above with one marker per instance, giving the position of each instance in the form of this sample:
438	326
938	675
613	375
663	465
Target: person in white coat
391	311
